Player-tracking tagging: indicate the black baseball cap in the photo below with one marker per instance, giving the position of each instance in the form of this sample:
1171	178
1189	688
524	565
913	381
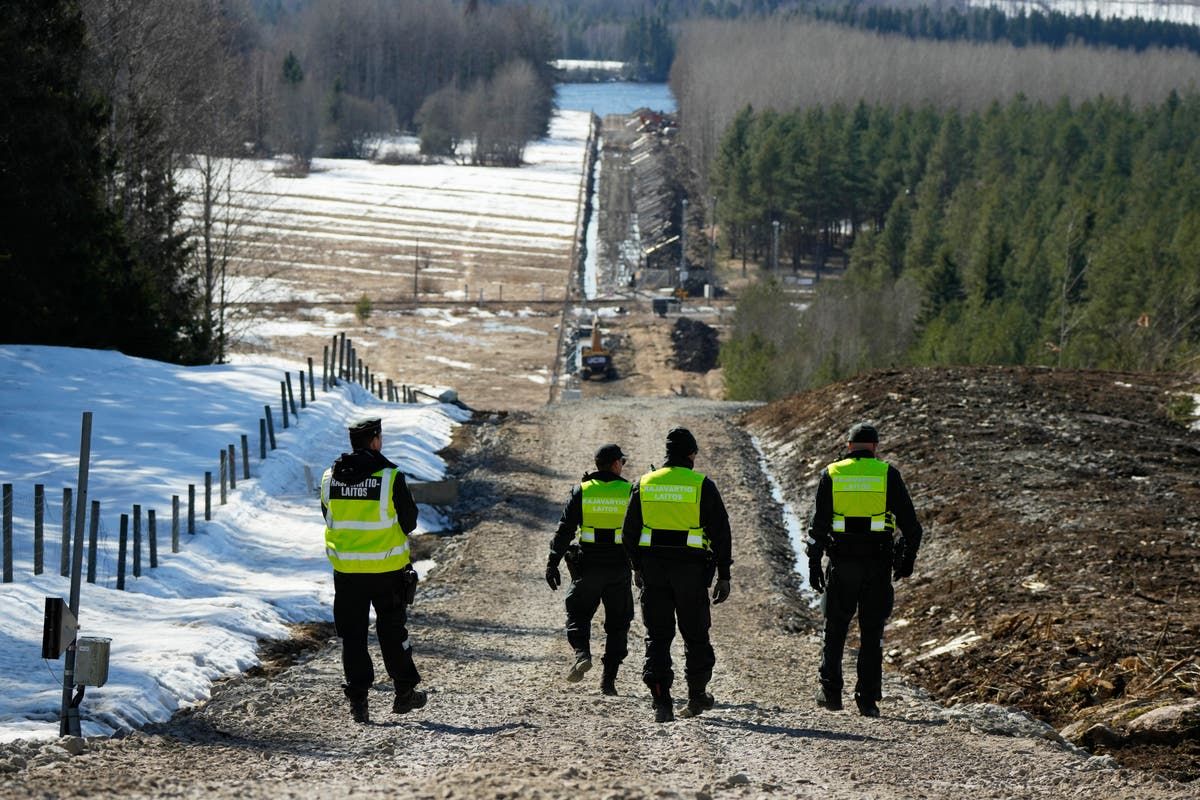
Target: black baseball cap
863	432
681	442
607	454
364	430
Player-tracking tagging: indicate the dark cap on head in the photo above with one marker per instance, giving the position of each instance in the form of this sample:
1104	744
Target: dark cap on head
364	430
680	442
863	432
607	454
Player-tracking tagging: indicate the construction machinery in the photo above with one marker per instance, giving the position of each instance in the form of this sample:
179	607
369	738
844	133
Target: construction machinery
596	360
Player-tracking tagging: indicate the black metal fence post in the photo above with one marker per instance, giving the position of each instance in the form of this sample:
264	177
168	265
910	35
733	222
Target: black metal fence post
137	541
121	551
207	496
283	402
152	536
270	426
245	457
291	397
222	474
174	523
191	509
93	536
232	461
312	385
39	528
7	524
65	553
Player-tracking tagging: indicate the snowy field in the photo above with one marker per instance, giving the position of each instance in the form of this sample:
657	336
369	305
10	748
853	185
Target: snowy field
1182	13
258	565
353	226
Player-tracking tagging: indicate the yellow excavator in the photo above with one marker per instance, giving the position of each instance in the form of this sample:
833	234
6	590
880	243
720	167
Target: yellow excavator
595	361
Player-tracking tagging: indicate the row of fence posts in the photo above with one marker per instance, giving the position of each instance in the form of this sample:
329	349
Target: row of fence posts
339	363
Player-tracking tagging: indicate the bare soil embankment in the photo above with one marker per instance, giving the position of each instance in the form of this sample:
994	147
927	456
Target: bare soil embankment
1061	569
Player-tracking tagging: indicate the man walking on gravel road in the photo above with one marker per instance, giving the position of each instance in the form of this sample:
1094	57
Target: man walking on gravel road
676	535
598	566
369	513
861	503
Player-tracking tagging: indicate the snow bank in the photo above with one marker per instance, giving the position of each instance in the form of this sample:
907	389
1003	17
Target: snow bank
258	565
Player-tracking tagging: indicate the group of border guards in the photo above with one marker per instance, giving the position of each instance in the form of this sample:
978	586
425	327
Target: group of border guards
667	534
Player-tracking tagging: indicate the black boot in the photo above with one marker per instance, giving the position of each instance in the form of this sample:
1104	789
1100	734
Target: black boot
697	704
663	710
358	705
409	700
583	662
866	705
608	681
829	699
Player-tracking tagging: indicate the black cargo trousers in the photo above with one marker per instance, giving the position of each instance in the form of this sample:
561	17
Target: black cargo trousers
597	581
862	586
676	591
353	596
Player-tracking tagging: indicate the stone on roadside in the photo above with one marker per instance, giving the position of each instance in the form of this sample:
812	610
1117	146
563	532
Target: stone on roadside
1167	724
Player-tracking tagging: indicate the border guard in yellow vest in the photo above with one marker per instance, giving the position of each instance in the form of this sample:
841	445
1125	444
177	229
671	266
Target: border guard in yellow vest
863	519
369	513
677	536
597	564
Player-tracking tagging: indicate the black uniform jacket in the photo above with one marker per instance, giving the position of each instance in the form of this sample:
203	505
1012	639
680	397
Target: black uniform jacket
713	518
361	464
572	518
820	524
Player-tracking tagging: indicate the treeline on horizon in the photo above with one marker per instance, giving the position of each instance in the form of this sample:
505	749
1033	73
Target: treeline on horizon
1023	233
720	67
107	102
974	24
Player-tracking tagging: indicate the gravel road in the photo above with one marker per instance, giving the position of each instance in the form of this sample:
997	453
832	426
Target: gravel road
501	721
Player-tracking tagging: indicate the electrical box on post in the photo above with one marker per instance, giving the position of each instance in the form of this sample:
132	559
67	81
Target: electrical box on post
58	628
91	661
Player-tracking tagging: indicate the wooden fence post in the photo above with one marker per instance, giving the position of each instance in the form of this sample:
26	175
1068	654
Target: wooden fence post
291	398
270	426
39	524
207	496
223	478
137	541
245	457
341	358
174	523
232	461
121	551
191	509
283	402
93	536
7	524
152	535
65	553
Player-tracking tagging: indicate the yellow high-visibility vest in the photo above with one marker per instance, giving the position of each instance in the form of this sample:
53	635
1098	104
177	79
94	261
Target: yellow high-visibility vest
604	504
362	532
670	501
860	496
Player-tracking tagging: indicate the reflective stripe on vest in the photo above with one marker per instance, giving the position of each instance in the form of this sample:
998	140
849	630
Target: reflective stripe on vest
362	532
670	501
604	504
860	496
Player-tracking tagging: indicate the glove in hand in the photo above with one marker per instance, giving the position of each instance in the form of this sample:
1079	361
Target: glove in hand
637	579
553	576
903	570
720	592
816	575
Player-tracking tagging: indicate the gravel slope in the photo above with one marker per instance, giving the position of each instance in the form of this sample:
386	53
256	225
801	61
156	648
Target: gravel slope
503	723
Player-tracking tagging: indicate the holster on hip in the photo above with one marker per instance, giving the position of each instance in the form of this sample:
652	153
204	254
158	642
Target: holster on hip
574	560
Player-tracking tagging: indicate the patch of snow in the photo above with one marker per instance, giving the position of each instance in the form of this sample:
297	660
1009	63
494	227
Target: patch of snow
791	520
258	565
449	362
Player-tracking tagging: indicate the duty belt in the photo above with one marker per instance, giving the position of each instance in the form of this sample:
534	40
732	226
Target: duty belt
665	537
600	536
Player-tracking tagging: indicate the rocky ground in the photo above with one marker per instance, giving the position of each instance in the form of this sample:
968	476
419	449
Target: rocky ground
1061	572
502	722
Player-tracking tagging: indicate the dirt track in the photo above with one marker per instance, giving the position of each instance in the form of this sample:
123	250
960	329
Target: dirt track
502	722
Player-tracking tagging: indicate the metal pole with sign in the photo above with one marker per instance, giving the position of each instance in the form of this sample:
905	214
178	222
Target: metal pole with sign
68	723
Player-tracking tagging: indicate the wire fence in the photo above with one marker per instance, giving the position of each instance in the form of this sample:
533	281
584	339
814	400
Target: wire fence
38	525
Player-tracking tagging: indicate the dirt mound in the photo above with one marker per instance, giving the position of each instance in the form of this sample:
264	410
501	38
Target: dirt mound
696	345
1061	571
